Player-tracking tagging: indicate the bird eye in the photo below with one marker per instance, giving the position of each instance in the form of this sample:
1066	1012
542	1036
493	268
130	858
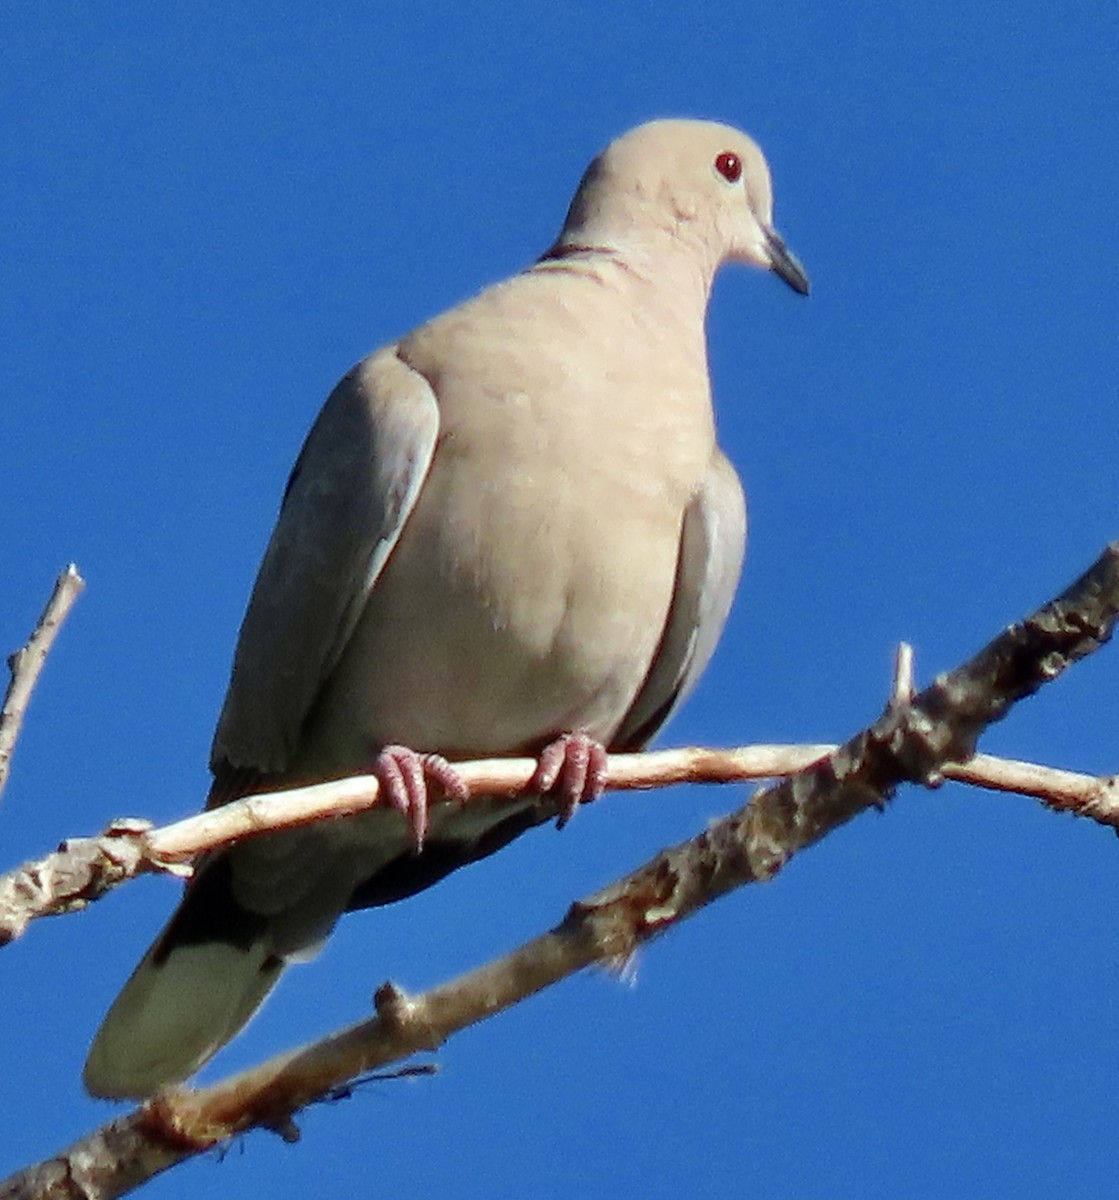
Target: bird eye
729	166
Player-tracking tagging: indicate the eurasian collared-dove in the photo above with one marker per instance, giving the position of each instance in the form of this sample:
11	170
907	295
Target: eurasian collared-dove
510	532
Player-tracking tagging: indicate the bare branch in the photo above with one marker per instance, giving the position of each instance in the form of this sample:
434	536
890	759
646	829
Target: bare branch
1092	796
26	664
80	871
912	742
84	869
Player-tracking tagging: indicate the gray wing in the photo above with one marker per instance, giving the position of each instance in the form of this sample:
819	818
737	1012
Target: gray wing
349	495
712	547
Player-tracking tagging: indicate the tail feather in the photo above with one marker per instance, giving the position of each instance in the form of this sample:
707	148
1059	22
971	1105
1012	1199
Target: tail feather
203	978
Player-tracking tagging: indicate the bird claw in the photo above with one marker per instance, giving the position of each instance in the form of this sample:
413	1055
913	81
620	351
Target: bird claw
574	768
408	780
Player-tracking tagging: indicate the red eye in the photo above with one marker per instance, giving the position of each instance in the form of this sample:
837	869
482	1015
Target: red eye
729	166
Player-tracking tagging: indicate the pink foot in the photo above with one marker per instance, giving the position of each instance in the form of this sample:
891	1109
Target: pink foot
574	768
406	780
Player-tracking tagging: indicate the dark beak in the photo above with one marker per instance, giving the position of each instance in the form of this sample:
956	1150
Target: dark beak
785	263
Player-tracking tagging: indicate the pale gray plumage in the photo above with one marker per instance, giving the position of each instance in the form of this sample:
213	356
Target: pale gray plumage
511	524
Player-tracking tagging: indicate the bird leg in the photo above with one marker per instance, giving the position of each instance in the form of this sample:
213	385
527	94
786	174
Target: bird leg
574	768
407	778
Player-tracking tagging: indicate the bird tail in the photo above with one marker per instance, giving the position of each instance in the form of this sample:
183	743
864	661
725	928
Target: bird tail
203	978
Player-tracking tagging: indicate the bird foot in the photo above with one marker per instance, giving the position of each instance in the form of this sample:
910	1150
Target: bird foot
409	779
573	767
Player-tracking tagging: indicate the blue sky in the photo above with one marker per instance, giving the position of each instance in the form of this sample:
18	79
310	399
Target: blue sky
208	215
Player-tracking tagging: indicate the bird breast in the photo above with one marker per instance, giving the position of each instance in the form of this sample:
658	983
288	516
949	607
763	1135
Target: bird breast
539	561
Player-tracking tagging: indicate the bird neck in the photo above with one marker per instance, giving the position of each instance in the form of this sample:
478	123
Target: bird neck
667	272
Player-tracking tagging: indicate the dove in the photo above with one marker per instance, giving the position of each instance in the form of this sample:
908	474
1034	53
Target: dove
510	532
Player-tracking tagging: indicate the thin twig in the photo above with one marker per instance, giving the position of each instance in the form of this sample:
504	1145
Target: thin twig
911	742
84	869
25	664
903	674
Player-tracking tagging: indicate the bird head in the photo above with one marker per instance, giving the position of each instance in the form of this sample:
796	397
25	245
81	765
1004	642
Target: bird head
701	184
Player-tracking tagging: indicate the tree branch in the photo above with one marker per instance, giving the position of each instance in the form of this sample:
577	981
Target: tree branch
914	741
84	869
25	664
